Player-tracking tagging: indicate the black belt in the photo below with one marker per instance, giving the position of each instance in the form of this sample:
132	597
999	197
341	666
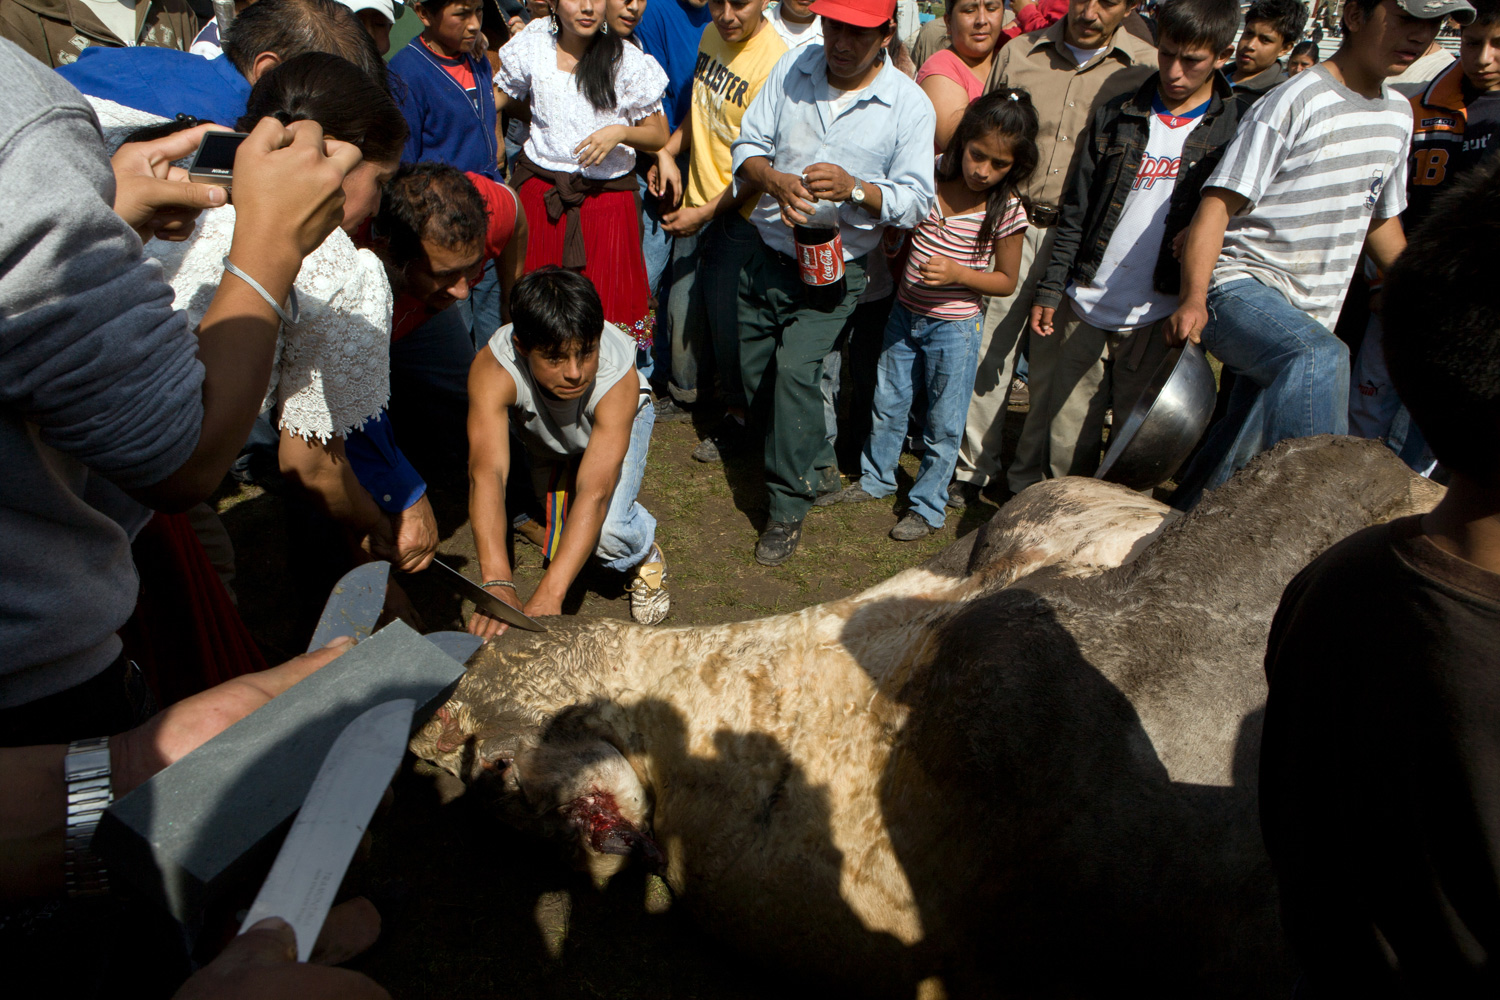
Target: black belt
1043	216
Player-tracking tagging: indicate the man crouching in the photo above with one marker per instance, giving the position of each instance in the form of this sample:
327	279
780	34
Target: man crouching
563	383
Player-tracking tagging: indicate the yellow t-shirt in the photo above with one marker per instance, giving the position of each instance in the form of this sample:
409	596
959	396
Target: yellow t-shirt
725	81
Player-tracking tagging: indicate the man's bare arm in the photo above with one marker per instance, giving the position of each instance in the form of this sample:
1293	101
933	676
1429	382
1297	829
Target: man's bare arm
1205	240
491	393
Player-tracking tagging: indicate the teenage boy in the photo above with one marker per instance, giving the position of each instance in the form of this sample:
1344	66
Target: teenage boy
843	99
714	237
445	90
1272	27
1070	69
1378	792
1317	171
1113	277
1457	118
563	382
796	23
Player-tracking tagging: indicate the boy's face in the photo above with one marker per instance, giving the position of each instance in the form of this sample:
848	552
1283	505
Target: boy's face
1092	23
1186	68
1260	46
1479	55
736	19
455	29
1388	39
564	374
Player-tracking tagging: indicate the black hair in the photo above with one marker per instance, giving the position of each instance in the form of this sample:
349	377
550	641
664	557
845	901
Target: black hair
431	201
595	75
1286	17
291	27
553	309
435	8
1366	7
336	94
1213	23
1010	113
1305	49
1442	326
1486	13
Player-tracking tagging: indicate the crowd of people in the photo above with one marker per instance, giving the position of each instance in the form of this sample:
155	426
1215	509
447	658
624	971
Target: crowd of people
826	231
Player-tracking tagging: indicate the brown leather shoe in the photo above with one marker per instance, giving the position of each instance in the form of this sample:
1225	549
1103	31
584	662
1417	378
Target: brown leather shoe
533	531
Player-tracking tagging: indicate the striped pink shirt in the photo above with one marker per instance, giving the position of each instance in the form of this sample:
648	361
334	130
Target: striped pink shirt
954	237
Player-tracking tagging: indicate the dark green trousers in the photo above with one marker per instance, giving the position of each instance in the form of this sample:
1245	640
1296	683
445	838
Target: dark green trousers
783	341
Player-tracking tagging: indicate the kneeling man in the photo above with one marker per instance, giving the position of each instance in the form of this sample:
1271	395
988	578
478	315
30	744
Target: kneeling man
562	383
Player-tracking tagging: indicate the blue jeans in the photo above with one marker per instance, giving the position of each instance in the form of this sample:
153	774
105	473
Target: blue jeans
1375	411
656	248
703	309
1293	381
484	306
943	354
629	530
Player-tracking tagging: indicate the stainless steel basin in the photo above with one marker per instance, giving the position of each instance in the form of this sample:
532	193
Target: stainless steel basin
1149	445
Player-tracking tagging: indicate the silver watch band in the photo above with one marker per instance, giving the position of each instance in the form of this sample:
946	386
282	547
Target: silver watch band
86	771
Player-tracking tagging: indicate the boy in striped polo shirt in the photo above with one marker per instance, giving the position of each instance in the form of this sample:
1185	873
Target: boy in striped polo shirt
1316	172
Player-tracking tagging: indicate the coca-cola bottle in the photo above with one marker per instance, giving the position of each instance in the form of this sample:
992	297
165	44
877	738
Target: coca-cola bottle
820	256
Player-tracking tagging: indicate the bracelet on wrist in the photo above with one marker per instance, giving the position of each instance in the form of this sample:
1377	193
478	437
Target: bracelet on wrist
288	315
499	583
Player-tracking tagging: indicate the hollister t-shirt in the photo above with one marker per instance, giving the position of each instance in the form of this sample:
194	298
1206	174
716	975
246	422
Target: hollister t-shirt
1122	295
725	81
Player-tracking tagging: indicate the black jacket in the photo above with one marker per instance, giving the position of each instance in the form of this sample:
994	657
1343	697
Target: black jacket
1111	156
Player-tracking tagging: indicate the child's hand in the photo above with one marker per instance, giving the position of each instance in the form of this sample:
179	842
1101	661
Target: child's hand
596	147
939	270
1041	320
664	180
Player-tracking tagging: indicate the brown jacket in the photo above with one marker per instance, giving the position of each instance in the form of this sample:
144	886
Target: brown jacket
56	31
1066	95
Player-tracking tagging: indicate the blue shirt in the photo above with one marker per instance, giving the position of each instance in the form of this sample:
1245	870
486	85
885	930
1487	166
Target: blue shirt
445	122
669	32
883	138
162	82
381	467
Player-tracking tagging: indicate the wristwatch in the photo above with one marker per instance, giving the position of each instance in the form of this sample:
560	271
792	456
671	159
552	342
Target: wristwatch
86	771
857	196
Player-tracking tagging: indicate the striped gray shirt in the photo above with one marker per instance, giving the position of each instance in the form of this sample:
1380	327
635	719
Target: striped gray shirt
1315	162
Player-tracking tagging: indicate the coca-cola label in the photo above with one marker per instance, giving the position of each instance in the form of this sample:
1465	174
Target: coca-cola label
821	263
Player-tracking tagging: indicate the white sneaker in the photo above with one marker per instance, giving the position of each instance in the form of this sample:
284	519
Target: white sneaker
649	600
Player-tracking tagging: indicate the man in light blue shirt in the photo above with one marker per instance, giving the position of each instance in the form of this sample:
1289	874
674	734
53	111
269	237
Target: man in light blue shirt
837	137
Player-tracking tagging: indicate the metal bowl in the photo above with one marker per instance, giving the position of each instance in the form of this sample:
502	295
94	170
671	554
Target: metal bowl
1147	448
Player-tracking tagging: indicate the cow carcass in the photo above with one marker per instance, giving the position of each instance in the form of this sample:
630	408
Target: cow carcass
1027	768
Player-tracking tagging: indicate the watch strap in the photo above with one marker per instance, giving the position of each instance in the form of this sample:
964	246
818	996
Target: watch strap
86	771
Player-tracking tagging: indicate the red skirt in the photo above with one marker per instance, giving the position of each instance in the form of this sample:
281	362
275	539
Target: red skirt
612	244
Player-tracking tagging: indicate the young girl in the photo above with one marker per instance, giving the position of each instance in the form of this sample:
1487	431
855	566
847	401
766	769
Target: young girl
933	332
594	101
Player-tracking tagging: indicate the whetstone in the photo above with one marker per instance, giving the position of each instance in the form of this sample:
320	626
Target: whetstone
195	828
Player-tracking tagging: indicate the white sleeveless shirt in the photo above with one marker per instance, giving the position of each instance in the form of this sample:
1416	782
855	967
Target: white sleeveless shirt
555	429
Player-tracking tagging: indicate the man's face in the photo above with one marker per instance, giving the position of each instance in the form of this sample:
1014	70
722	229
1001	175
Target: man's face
1479	54
445	275
456	27
1185	68
1388	39
1092	23
850	50
378	27
565	374
736	19
1260	46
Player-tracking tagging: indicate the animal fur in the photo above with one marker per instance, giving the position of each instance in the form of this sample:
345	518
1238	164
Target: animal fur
1025	769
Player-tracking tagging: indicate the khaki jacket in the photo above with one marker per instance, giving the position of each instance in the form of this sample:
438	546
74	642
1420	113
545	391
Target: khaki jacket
1066	96
57	31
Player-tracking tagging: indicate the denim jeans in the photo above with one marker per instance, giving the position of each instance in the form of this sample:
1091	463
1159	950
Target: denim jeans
703	309
1292	381
484	306
1375	411
629	530
656	248
941	354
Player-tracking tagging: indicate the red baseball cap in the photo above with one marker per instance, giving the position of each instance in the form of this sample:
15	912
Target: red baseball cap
860	13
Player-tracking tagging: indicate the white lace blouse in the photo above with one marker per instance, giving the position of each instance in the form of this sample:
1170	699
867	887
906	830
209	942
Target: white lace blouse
561	117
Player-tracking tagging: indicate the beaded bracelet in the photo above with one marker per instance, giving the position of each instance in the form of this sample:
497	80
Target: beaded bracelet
498	583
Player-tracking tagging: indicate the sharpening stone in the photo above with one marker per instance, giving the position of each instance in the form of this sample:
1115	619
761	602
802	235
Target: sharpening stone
218	815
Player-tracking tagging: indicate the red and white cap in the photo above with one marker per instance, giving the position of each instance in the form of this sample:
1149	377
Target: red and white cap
860	13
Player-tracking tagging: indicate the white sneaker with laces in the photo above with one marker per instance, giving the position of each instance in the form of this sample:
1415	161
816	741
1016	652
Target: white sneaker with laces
649	600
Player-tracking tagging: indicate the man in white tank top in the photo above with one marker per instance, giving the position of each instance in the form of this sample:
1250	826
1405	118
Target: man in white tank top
563	383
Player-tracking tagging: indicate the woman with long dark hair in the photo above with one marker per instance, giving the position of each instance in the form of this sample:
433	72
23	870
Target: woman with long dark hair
593	102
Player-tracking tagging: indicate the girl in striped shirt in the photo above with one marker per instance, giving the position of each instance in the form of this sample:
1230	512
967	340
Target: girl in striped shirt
932	335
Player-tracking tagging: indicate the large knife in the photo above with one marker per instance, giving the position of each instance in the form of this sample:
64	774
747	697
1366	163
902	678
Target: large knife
354	604
483	599
316	853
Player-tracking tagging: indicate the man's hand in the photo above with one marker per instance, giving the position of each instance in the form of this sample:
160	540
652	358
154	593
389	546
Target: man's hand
791	194
664	180
261	964
938	270
828	181
685	221
596	147
1185	324
154	197
416	537
1041	320
288	187
483	625
179	729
